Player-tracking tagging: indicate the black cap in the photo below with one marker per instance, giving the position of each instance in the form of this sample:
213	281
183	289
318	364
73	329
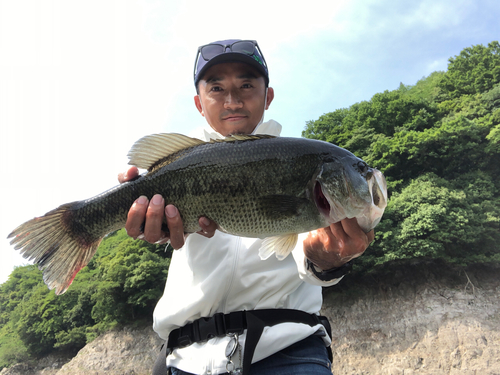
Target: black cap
231	50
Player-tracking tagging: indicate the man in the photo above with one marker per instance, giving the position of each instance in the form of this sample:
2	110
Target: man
218	280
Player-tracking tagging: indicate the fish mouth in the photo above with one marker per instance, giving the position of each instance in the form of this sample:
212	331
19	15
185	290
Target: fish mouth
321	200
366	208
372	215
328	206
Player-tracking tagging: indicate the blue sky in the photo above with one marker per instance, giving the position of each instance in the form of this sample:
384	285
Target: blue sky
81	81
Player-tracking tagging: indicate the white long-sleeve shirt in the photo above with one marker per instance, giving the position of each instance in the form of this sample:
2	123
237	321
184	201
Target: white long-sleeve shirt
223	274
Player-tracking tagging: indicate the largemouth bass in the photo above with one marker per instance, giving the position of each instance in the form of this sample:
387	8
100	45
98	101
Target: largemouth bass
252	186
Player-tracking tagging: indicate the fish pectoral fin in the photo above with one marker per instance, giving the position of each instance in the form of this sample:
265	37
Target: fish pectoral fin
281	246
281	206
151	150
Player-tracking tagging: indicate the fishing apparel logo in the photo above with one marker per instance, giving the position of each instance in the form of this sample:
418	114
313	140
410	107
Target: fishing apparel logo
257	58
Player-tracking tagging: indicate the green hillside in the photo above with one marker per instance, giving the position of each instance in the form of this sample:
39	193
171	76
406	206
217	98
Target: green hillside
438	144
120	286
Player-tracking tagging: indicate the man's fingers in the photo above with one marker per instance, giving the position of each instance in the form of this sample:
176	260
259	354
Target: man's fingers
336	244
130	174
356	240
207	226
175	226
352	228
145	218
337	230
135	217
154	218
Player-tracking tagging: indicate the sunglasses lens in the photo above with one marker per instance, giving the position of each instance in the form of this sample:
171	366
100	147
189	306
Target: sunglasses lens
243	47
210	51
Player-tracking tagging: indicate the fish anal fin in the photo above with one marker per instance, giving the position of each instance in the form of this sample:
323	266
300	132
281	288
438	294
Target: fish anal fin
281	246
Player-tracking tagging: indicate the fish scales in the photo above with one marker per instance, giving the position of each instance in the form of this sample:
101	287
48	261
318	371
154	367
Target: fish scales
252	186
222	180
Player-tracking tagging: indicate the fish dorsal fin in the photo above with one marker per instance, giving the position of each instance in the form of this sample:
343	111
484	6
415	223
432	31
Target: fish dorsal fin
243	137
151	151
148	151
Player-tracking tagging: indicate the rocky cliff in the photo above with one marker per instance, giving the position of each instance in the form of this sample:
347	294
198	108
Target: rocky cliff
129	351
421	317
418	318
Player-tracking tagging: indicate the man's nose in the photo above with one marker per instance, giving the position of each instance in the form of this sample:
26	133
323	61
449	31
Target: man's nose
233	100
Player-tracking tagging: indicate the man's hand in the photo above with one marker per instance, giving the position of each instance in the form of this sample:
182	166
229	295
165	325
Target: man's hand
337	244
151	214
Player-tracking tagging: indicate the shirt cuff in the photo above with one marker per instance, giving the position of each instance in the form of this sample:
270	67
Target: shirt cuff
304	272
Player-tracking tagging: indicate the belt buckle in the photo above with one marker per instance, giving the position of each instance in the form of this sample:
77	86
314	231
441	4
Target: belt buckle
184	341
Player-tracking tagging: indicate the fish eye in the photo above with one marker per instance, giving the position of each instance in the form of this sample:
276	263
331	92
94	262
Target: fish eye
362	167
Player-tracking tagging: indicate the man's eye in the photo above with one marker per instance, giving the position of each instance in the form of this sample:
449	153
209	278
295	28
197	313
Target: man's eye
216	88
246	86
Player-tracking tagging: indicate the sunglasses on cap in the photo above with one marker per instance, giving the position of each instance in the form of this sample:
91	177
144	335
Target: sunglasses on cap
246	47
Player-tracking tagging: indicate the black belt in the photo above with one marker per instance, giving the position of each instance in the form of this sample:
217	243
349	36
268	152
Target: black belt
254	321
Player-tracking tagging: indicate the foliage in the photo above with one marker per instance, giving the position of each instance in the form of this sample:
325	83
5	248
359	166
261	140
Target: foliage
433	217
120	285
12	349
475	70
438	144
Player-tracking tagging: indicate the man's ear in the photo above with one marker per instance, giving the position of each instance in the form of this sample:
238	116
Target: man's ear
197	103
270	96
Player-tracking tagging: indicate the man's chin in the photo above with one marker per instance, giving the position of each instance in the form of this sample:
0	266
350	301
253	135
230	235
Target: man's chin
238	128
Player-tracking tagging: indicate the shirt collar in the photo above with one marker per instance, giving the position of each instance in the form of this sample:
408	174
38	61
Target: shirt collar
270	127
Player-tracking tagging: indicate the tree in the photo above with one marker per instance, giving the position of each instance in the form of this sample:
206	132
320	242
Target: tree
438	145
432	217
120	285
476	69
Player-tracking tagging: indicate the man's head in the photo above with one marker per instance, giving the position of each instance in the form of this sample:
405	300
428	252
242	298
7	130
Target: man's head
231	79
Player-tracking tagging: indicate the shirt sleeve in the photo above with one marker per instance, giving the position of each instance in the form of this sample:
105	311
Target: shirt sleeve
305	273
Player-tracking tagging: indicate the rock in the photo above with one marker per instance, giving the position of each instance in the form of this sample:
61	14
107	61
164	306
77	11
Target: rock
48	365
419	318
123	352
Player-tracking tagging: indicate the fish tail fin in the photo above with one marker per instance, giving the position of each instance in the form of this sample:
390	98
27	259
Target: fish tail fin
53	243
281	246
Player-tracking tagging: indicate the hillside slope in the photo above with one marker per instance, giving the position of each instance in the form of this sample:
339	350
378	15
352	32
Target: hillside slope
419	318
422	317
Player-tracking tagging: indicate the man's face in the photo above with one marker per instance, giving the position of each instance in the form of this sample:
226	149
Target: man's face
232	98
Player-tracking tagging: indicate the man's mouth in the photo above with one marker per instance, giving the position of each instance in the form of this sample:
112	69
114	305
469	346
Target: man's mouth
234	118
